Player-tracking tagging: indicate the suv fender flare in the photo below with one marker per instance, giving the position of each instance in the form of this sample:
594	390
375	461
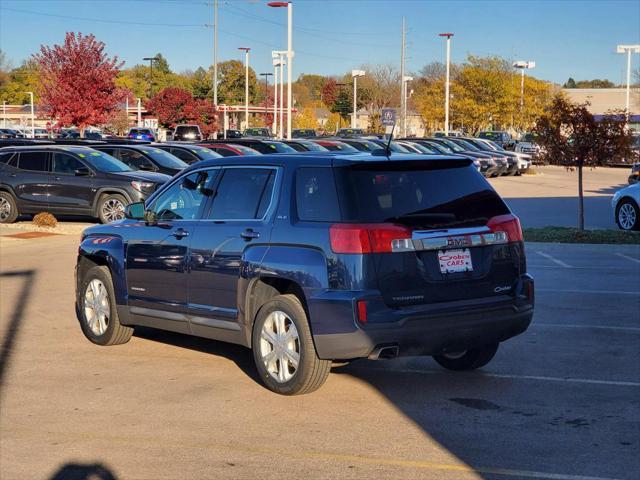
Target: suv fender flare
105	249
7	188
102	191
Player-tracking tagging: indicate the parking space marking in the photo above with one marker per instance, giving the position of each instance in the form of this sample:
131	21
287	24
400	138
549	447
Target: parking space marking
605	292
595	267
627	257
601	327
554	260
542	378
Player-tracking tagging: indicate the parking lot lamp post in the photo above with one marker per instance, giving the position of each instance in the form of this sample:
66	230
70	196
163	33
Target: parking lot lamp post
355	74
447	82
405	80
522	65
246	85
266	93
139	112
33	127
628	49
150	60
4	114
289	6
281	64
276	64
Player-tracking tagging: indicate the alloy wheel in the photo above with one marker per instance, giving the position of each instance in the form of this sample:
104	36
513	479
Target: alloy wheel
280	346
112	210
627	216
5	209
97	311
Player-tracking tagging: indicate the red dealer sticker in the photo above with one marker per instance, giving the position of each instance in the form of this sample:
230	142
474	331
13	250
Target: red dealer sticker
452	261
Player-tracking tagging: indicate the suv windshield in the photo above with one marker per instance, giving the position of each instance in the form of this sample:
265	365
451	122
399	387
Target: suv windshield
103	162
452	145
164	159
280	147
431	195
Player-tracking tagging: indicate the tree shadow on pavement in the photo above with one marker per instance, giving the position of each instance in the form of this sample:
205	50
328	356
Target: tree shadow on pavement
15	321
537	212
83	471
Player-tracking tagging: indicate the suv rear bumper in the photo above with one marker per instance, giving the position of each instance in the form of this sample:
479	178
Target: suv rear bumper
422	333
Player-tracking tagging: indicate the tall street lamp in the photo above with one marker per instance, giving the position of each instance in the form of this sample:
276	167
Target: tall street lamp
289	6
628	49
246	85
150	60
33	128
447	82
522	66
266	93
279	61
405	80
276	64
355	74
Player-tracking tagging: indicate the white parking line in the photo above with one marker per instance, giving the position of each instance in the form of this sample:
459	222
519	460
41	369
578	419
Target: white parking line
554	260
599	327
627	257
586	381
588	292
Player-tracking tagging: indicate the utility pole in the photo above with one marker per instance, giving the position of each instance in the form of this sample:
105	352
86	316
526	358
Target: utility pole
522	65
215	53
282	63
403	111
266	94
33	127
447	84
4	113
355	74
628	49
246	84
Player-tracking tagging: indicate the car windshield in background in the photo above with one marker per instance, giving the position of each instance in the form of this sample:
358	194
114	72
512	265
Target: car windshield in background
280	147
313	147
452	145
256	132
529	137
103	162
165	159
204	153
434	196
244	150
491	135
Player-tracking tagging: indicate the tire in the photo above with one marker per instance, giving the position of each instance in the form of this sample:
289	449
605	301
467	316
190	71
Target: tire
8	208
104	328
468	359
275	317
628	215
111	207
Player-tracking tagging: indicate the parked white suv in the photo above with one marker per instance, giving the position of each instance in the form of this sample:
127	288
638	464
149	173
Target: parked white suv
626	208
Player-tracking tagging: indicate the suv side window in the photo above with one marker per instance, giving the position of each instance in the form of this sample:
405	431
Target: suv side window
184	199
6	157
243	194
136	160
316	198
34	161
65	163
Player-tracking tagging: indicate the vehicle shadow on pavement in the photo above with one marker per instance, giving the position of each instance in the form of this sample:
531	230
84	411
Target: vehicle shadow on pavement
15	320
241	356
608	190
83	471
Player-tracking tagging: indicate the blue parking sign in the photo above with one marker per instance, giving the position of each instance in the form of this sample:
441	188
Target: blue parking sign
388	116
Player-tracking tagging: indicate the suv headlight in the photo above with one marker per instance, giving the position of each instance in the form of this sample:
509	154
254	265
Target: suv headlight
143	187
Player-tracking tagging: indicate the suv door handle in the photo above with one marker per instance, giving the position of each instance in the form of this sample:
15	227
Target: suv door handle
249	234
180	233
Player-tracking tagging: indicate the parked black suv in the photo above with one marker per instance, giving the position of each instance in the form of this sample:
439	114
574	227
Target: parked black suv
188	152
308	259
69	180
144	157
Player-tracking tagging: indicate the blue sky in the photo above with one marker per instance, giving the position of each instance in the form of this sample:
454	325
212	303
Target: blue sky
564	38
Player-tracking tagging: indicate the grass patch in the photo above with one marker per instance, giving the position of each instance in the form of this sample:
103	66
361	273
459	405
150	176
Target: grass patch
573	235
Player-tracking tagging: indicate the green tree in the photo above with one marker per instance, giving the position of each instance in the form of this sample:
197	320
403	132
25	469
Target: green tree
570	83
231	83
16	82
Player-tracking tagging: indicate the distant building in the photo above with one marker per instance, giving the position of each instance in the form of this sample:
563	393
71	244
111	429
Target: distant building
603	100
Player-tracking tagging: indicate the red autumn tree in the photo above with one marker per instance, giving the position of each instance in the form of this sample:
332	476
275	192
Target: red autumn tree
78	81
174	106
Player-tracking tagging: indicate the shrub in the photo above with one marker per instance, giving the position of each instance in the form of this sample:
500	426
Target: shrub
45	219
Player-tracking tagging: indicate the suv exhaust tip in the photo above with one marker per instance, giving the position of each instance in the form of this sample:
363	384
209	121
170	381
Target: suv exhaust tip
384	352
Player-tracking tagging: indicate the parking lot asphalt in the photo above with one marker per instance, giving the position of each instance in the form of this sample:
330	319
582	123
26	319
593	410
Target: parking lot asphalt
561	401
550	197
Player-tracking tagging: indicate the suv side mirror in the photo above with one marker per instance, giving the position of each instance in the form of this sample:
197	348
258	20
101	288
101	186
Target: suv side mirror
135	211
82	172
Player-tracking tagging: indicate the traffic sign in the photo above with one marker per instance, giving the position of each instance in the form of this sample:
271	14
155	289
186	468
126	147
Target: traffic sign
388	116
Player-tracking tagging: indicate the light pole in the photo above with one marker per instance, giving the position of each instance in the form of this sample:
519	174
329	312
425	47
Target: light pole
139	112
628	49
246	85
406	79
289	6
266	94
276	64
280	62
33	127
4	114
355	74
522	65
150	60
447	82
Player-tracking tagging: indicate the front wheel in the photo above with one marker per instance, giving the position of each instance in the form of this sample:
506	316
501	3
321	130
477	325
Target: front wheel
8	208
283	349
467	359
628	215
111	208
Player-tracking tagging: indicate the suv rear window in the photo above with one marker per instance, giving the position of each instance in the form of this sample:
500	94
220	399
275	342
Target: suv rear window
430	195
316	198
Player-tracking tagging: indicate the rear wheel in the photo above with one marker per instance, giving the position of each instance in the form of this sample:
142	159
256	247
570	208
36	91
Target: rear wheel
283	349
111	207
8	208
467	359
628	215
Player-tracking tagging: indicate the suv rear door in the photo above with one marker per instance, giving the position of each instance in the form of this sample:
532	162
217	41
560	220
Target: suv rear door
72	186
432	227
31	179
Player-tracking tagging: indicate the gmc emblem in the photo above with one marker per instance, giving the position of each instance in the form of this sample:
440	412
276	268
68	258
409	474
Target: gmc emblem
458	241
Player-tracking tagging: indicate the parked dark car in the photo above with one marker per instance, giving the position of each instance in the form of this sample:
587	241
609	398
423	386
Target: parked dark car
335	145
393	146
144	157
188	153
19	142
303	133
501	161
307	259
234	134
69	180
187	133
503	139
230	149
361	145
261	132
635	174
304	145
141	134
510	157
350	132
264	146
489	165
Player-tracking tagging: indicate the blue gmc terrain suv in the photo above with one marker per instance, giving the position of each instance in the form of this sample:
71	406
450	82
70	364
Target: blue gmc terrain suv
307	259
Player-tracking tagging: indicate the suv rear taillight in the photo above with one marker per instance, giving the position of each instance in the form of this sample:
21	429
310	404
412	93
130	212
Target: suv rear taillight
509	224
368	237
